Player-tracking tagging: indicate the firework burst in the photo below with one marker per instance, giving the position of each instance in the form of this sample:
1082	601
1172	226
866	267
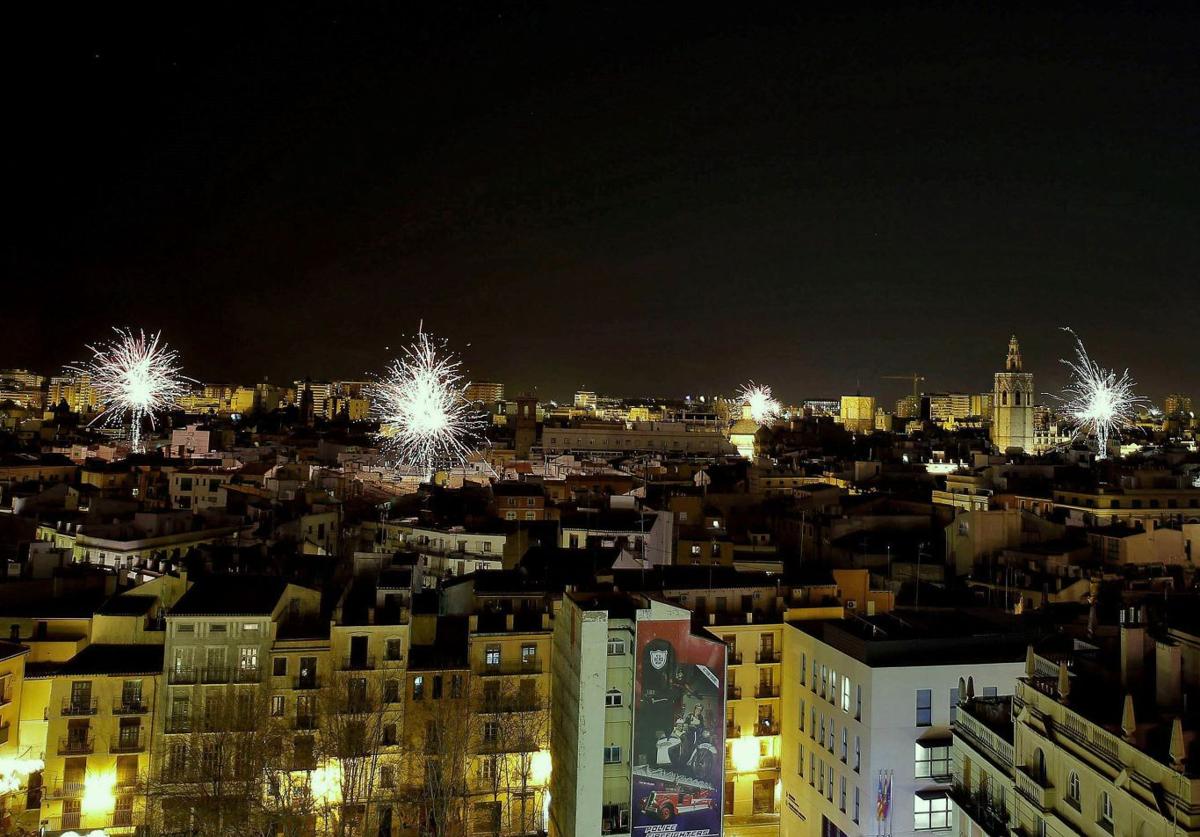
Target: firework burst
425	419
134	375
1100	402
764	409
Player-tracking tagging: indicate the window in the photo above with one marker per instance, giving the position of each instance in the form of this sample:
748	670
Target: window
528	655
924	707
612	698
456	686
391	691
491	732
833	686
248	658
842	794
802	713
491	656
812	768
387	776
858	704
829	785
932	762
932	812
845	744
418	688
857	752
392	649
612	755
279	666
989	691
845	694
804	669
1073	789
812	727
800	761
616	647
856	803
1106	811
277	707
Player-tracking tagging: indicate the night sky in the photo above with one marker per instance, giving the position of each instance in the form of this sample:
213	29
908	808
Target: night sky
639	199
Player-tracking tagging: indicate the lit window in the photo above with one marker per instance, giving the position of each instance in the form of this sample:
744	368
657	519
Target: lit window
845	694
930	813
932	762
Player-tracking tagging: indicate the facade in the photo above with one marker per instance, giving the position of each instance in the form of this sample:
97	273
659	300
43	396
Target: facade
484	392
1012	404
618	437
867	708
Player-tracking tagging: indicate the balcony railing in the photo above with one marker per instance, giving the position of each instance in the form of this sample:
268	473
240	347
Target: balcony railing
182	676
1041	796
125	742
983	739
71	746
358	664
734	658
533	666
733	692
767	690
766	726
179	723
990	816
76	706
130	707
306	722
732	730
63	789
303	681
247	674
767	656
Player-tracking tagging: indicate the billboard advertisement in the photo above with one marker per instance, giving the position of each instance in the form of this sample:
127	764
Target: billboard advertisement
678	731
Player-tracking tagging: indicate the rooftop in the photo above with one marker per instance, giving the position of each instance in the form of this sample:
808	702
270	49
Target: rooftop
233	595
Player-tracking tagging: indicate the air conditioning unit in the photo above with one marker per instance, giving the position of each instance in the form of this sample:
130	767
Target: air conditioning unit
851	604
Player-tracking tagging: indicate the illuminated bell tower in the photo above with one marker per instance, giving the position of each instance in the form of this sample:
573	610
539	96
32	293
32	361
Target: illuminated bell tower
1012	404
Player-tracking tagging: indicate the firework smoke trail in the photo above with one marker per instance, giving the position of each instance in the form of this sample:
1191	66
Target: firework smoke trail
425	419
764	409
1099	402
134	375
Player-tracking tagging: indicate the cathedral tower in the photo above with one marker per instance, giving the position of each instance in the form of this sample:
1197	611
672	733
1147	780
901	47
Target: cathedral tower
1012	404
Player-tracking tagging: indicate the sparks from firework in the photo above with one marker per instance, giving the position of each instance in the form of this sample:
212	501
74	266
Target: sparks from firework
426	421
764	409
1100	402
134	375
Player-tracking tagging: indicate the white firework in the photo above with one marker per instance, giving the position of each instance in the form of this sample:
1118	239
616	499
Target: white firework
1100	402
764	409
426	421
134	375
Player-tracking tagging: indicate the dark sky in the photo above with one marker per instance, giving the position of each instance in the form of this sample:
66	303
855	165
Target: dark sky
640	199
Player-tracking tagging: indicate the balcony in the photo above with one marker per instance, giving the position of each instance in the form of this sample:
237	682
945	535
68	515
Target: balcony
306	722
1036	791
734	658
304	682
75	707
247	674
358	664
63	789
214	674
989	816
733	692
767	656
130	707
766	726
126	742
767	690
983	739
179	723
182	676
732	730
531	666
76	746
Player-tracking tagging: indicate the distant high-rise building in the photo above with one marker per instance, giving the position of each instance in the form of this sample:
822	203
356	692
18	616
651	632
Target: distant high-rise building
857	413
485	392
949	406
526	433
585	399
981	405
1177	405
1012	403
908	407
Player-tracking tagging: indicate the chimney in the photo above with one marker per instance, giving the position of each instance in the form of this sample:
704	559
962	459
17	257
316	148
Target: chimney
1133	648
1168	675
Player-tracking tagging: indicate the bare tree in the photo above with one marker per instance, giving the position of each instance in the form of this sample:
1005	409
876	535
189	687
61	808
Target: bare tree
511	751
440	732
210	777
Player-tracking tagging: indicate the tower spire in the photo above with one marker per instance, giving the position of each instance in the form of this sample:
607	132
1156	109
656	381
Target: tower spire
1013	364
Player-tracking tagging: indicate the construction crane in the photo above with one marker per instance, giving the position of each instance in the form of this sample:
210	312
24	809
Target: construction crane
914	377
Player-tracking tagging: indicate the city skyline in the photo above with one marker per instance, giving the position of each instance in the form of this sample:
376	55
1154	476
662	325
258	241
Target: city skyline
809	198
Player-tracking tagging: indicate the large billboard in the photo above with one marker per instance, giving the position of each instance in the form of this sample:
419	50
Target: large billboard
678	731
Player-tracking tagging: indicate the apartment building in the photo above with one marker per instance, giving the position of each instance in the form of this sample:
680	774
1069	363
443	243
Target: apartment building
867	708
